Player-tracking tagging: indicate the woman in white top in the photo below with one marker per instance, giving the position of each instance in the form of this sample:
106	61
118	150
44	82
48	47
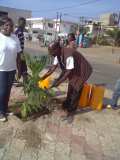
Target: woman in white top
9	62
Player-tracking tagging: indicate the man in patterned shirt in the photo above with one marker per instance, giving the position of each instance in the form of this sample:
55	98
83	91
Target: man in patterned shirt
20	34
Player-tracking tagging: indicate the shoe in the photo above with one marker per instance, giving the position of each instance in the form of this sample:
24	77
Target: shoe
9	113
70	117
64	117
115	107
109	106
2	118
112	107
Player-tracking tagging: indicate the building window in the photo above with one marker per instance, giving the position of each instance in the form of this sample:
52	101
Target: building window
2	14
34	31
50	25
50	34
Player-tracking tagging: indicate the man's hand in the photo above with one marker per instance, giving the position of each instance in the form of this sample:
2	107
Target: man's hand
54	84
42	78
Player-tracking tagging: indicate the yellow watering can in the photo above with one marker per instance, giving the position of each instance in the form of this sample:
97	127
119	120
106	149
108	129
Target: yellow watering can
44	83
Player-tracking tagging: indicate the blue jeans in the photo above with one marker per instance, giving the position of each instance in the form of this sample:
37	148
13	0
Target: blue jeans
116	94
6	80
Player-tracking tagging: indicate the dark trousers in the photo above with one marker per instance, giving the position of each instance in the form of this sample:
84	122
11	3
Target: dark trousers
72	99
23	67
6	80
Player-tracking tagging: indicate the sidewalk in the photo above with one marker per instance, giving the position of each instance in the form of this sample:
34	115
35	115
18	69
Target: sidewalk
93	135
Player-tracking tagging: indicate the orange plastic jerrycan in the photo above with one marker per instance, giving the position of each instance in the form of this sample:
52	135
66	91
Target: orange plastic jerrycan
97	95
44	83
85	95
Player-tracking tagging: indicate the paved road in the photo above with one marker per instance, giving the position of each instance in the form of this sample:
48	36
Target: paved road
105	73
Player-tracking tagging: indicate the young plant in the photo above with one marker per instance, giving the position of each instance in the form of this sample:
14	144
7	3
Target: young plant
38	98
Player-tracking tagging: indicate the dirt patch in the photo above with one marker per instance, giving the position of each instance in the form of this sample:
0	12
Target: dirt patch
5	136
31	135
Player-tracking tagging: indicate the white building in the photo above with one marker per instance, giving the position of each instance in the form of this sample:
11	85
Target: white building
110	19
14	13
50	28
41	26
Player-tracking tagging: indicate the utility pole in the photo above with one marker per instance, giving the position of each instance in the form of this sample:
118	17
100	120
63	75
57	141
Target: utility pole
60	22
56	23
79	25
44	31
81	20
118	19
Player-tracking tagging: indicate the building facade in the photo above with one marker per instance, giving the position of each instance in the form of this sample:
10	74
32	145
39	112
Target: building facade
50	28
14	13
110	19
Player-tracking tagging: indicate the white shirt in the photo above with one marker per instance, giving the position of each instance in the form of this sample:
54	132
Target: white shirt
9	47
69	62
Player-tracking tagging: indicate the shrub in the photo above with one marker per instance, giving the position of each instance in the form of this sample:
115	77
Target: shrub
115	35
101	40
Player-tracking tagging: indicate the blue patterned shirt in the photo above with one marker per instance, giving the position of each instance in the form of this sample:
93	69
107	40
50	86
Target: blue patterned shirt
19	33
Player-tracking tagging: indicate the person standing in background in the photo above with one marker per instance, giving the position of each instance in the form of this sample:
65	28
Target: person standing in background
77	38
9	61
72	41
115	96
20	34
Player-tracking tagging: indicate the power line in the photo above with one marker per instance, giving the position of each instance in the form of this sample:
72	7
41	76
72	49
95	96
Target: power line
77	17
75	14
68	7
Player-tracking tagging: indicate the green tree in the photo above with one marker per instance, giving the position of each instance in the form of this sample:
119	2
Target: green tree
101	40
115	35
